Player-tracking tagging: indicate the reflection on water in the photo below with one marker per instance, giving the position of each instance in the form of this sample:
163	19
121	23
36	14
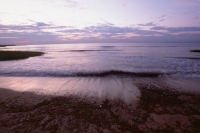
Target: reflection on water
100	88
70	59
96	70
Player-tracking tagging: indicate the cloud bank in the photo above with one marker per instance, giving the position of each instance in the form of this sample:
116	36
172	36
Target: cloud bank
41	32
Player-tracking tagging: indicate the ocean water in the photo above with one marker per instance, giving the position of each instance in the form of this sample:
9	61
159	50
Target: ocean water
106	59
102	71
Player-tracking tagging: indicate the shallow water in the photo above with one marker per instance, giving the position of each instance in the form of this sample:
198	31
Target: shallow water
64	60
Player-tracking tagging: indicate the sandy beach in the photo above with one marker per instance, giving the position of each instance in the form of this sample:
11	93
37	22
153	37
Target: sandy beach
160	108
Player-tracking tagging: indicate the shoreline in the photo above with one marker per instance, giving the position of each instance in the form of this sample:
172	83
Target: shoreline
6	45
6	55
161	108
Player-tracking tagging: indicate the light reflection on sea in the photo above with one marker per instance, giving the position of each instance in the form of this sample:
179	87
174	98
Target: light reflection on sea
70	59
99	70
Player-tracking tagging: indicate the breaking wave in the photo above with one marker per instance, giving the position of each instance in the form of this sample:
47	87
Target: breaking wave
85	74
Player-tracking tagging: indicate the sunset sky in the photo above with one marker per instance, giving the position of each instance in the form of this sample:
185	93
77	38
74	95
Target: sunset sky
96	21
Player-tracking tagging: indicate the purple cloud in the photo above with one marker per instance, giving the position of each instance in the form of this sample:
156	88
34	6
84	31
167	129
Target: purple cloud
176	29
161	20
162	16
101	33
40	24
148	24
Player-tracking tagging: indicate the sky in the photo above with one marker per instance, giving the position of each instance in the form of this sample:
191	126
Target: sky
99	21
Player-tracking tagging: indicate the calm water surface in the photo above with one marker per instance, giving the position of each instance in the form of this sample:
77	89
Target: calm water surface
65	60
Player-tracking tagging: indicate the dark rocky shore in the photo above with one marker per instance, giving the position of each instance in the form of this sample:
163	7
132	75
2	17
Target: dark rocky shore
160	110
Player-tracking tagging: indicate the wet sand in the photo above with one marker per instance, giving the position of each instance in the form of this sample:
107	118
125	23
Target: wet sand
160	108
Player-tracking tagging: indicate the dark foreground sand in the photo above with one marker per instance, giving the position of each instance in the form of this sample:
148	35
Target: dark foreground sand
160	109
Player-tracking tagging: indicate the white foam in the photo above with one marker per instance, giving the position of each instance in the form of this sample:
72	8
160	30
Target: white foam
109	88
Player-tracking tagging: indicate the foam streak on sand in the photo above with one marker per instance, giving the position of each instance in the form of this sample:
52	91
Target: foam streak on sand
98	88
96	105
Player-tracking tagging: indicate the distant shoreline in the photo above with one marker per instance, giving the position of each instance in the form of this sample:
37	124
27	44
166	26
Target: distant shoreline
17	55
6	45
195	50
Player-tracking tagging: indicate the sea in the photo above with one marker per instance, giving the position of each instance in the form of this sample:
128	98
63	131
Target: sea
98	69
106	59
